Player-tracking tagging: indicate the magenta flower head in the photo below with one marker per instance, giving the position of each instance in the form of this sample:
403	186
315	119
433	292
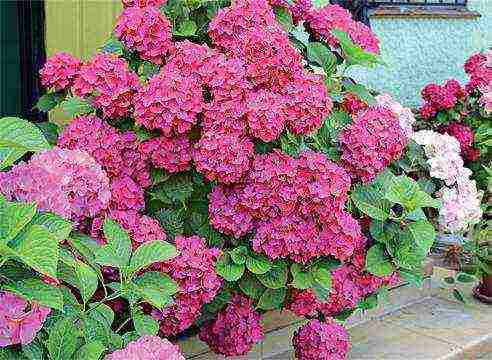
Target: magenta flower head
146	31
266	115
110	81
194	271
59	71
170	153
148	348
236	329
142	3
20	321
321	341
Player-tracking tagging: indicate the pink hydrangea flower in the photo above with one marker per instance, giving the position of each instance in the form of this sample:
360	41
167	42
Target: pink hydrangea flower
117	153
479	68
223	156
142	3
321	341
307	103
59	71
170	153
169	102
20	321
352	104
82	182
109	80
404	114
465	136
266	115
146	31
126	194
371	143
194	271
189	59
235	330
148	348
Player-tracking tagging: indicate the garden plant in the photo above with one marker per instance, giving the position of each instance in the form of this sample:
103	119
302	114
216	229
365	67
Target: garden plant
219	164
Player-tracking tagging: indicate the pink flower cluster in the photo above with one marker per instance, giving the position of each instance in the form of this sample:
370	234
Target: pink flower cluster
170	153
321	341
479	68
67	182
142	3
194	271
148	348
441	97
20	321
146	31
236	329
126	194
371	142
295	205
465	136
352	104
404	114
59	71
108	81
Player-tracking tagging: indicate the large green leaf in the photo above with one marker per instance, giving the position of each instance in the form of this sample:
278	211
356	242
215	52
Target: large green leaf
321	55
90	351
228	269
17	137
49	101
62	342
377	262
144	324
87	280
276	277
370	202
151	252
86	247
118	248
258	264
423	234
250	285
59	227
383	232
13	218
75	106
39	249
272	299
354	54
156	288
301	278
405	191
284	18
37	291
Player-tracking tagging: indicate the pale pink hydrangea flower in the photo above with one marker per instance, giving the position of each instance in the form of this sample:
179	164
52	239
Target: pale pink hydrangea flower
148	348
404	114
20	321
59	71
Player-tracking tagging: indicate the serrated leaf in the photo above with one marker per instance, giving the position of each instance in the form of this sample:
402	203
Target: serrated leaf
239	254
151	252
37	291
39	249
17	137
258	264
284	18
156	288
144	324
251	286
377	262
228	269
370	202
368	303
13	218
172	221
62	342
322	276
75	106
59	227
275	278
90	351
321	55
118	248
86	247
87	280
33	351
422	233
49	101
272	299
301	279
383	232
186	28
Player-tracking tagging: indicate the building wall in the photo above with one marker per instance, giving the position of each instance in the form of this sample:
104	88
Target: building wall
423	50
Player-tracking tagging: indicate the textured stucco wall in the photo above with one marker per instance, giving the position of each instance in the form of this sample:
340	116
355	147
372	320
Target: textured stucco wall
419	51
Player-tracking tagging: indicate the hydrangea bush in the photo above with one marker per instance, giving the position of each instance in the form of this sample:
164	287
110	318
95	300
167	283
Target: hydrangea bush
219	165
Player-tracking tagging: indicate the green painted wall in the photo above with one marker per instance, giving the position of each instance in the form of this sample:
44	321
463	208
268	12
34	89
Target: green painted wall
425	50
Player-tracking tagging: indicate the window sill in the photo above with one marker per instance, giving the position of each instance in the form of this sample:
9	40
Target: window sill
416	12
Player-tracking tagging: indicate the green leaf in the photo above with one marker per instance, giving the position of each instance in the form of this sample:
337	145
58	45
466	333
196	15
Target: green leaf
370	202
172	221
228	269
321	55
301	279
118	248
383	232
272	299
33	351
156	288
50	132
187	28
13	218
466	278
361	92
405	191
458	295
368	303
151	252
17	137
59	227
113	46
86	247
251	286
284	18
87	280
144	324
75	106
37	291
322	276
258	264
90	351
449	280
354	54
321	292
38	249
377	262
175	190
239	254
320	3
49	101
300	34
423	234
62	342
276	277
